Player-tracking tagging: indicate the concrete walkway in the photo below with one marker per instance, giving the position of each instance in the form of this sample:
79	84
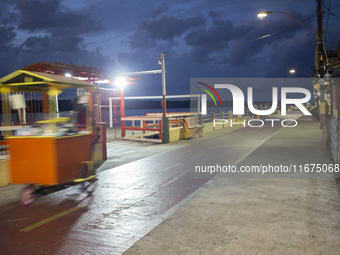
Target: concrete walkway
255	213
232	213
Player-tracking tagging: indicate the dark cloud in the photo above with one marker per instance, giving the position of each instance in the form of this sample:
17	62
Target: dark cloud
167	27
213	37
50	16
239	37
158	11
298	54
15	58
214	15
59	36
47	43
10	19
36	43
7	35
141	40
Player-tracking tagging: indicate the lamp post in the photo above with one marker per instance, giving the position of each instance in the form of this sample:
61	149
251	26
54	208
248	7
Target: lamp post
264	14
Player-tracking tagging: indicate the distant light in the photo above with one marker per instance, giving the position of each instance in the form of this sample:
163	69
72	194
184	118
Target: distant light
120	82
292	71
68	75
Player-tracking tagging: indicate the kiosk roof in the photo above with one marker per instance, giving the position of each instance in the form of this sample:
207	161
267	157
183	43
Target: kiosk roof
27	81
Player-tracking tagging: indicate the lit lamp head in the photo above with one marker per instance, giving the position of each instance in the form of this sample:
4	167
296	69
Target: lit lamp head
292	71
261	15
120	82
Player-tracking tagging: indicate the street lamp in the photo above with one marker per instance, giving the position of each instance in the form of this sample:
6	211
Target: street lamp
293	71
261	15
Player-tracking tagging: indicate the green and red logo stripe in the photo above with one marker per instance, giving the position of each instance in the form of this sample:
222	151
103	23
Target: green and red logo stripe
208	92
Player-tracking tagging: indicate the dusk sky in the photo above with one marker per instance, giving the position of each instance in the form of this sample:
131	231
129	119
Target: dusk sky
124	36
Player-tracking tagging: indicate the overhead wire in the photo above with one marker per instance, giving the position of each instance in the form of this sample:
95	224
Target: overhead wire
328	9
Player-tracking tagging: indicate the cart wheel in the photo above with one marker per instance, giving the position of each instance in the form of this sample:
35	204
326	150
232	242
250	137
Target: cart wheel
82	187
91	187
27	195
88	186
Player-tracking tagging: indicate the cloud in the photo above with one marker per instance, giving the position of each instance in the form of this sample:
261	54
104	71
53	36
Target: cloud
239	37
18	50
50	16
58	35
164	28
298	54
15	58
213	37
214	14
55	43
141	40
159	11
7	35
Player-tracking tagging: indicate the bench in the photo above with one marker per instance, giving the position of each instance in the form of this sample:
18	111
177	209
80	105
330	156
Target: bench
192	129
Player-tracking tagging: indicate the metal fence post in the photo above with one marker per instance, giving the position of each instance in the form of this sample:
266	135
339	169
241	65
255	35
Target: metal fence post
166	131
200	119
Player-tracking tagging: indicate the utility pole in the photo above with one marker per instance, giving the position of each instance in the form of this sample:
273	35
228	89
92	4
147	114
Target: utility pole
320	54
320	57
163	85
165	119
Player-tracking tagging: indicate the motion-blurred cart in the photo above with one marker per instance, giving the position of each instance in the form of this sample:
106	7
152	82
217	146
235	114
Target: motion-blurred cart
53	153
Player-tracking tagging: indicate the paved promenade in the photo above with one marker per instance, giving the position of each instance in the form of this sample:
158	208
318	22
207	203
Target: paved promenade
296	213
168	199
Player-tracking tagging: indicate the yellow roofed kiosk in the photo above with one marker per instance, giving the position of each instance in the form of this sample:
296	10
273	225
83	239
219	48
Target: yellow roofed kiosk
53	149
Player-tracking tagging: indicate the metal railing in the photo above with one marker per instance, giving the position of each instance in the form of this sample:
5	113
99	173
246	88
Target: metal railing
145	128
